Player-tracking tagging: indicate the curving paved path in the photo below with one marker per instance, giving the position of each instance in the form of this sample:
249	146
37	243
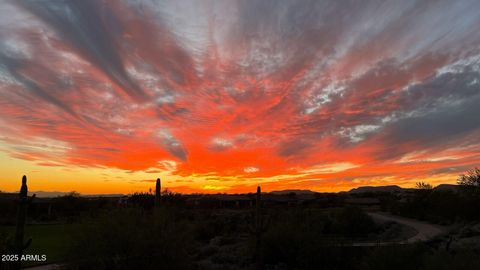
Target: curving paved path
426	231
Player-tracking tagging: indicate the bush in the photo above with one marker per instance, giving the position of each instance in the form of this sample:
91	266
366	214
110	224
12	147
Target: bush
131	239
3	246
351	221
303	239
394	257
439	206
419	257
471	179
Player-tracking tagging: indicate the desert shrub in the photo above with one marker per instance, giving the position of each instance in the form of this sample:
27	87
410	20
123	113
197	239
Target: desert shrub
418	256
444	206
299	239
209	224
298	247
459	260
470	180
281	242
9	212
70	206
132	239
350	221
440	206
205	230
143	200
3	247
394	257
172	198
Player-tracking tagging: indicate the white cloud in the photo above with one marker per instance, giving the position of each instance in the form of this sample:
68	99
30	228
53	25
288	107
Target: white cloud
251	169
329	168
168	165
358	133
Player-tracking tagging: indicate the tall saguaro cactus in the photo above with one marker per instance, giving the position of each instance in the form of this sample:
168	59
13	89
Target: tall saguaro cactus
258	228
19	245
158	189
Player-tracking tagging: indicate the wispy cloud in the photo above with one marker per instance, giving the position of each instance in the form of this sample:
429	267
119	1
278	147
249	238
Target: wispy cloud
342	89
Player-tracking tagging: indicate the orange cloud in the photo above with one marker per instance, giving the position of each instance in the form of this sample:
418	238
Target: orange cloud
220	97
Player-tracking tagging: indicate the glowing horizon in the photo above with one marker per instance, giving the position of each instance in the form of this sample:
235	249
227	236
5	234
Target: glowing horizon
216	96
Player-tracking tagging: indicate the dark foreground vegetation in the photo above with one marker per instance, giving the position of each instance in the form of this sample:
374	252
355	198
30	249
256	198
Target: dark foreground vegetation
437	205
251	231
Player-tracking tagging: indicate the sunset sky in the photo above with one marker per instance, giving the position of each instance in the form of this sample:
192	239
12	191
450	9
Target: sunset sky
220	96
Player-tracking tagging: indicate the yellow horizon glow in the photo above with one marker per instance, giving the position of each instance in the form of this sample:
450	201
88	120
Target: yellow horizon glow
115	181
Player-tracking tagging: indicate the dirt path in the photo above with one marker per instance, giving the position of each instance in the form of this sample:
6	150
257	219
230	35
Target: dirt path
426	231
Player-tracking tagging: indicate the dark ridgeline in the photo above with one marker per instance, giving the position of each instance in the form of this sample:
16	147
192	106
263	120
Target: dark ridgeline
158	194
276	230
19	245
259	227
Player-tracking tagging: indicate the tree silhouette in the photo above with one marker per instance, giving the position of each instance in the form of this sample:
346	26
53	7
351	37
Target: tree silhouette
423	185
470	179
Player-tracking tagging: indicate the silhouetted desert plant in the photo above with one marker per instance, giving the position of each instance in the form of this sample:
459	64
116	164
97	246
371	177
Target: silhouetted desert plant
4	241
171	198
158	194
146	200
207	226
296	246
419	256
70	206
308	239
142	200
282	240
423	186
18	246
132	239
258	228
470	180
465	259
394	257
9	211
440	206
350	221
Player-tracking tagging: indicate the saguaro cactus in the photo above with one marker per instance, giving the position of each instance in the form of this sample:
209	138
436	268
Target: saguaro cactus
19	245
258	228
158	189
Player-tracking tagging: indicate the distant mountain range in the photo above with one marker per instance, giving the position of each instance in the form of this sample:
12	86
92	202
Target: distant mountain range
447	187
394	188
367	189
52	194
364	189
289	191
376	189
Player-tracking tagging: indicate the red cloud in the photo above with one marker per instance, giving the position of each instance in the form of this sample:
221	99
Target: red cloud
135	92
